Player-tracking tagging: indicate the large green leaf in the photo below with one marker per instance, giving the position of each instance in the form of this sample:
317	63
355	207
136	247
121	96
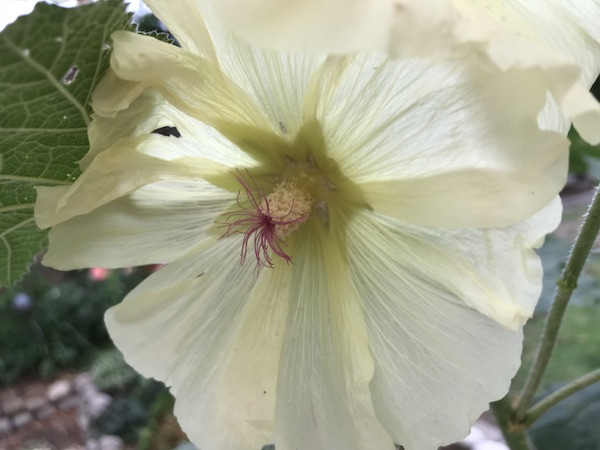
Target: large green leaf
50	61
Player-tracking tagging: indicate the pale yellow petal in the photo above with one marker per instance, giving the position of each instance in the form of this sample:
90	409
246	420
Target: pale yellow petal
218	329
569	28
118	171
466	197
256	360
429	142
276	81
335	26
551	42
119	116
185	21
494	271
194	85
323	397
553	45
148	111
153	225
444	312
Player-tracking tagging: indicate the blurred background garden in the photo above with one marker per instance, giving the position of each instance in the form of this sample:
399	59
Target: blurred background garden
63	385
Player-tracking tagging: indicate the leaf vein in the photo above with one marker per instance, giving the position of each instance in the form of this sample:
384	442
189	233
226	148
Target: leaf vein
50	181
16	207
57	84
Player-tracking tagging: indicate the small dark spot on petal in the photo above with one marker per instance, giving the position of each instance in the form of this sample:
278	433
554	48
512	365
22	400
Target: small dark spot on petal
283	128
198	276
168	131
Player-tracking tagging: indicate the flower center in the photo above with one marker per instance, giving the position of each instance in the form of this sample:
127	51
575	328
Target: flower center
288	207
267	220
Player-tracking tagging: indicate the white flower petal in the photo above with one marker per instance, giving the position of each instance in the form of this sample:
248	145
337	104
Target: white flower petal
495	271
195	86
553	45
218	329
549	41
276	82
133	117
579	36
221	332
438	360
323	398
584	110
430	142
118	171
538	66
464	198
335	26
220	339
435	374
339	26
184	20
586	14
117	117
153	225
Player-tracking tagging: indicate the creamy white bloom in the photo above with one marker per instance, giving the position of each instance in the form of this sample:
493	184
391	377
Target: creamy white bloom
414	191
339	26
553	44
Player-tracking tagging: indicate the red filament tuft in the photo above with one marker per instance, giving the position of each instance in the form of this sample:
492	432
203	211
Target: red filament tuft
256	222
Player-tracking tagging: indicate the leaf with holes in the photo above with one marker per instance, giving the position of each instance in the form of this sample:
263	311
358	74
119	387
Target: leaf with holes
50	61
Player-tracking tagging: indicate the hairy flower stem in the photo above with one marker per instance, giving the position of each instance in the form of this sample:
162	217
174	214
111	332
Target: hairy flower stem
545	404
515	436
565	287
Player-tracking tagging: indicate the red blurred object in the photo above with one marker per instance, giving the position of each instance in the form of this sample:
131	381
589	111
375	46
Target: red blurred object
98	273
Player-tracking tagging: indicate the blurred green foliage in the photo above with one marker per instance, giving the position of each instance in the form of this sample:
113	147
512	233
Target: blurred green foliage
584	159
125	417
139	404
577	350
47	325
571	424
110	372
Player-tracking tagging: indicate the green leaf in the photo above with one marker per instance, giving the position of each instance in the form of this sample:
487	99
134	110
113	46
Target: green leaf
583	157
571	424
51	60
163	37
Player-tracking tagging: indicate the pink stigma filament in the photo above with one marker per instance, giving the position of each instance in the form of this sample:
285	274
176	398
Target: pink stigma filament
256	222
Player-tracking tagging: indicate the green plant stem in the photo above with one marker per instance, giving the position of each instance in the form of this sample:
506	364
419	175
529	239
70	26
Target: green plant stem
545	404
515	435
565	287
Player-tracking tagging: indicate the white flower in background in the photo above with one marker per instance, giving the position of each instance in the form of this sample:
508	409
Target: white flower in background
339	26
550	43
387	212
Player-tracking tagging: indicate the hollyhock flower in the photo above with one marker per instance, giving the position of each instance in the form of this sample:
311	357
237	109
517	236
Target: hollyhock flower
554	43
349	241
